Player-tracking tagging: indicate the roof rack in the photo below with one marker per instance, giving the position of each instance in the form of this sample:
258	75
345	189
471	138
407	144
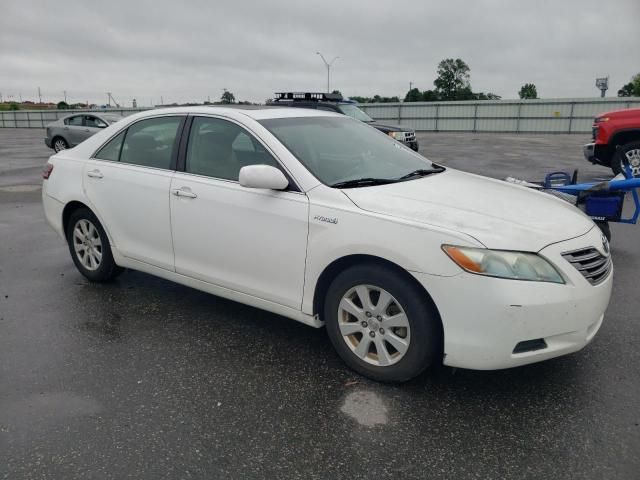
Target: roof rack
307	96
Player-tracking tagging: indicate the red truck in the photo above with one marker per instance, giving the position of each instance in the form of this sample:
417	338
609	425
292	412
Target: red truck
616	141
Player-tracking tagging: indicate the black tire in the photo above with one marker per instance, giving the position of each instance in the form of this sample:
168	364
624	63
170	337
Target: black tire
106	270
58	144
605	228
619	161
425	328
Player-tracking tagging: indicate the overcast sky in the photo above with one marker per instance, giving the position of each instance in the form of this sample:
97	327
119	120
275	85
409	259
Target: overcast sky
189	50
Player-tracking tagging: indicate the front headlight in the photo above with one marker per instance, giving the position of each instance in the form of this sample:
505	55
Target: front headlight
503	264
397	135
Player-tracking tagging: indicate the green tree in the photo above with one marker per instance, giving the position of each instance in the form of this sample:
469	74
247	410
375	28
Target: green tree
528	90
227	97
358	99
452	82
636	84
337	92
631	89
626	90
14	106
62	105
413	95
430	96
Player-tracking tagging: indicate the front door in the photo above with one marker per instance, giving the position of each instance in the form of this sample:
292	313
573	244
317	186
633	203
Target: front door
128	183
249	240
92	125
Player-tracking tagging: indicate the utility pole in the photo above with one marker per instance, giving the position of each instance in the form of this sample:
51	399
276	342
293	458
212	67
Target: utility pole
328	65
39	96
161	100
109	98
410	86
65	96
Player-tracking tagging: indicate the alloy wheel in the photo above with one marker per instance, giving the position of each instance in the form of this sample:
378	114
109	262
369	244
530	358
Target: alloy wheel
374	325
633	160
59	145
87	244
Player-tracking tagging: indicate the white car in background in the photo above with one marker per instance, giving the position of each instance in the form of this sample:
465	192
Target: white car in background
323	219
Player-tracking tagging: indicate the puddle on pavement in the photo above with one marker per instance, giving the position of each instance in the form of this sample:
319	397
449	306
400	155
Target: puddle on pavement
108	324
366	407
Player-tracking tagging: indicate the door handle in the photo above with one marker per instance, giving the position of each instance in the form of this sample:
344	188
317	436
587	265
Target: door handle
94	174
184	192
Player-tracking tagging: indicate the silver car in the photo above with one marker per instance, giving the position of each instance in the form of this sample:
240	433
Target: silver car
69	131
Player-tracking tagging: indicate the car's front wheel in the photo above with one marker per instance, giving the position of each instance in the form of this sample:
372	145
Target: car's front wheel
627	156
381	324
60	144
89	247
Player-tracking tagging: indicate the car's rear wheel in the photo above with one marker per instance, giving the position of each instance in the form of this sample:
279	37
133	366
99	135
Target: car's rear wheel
60	144
627	156
89	247
381	324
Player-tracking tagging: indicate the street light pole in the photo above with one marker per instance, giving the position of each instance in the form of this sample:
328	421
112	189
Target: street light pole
328	65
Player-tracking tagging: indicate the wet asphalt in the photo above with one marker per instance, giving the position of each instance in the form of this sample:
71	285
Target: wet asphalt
144	378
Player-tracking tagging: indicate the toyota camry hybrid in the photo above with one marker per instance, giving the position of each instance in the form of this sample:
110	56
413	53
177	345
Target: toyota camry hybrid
325	220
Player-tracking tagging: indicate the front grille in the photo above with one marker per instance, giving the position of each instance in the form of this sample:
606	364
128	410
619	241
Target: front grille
590	263
409	136
594	133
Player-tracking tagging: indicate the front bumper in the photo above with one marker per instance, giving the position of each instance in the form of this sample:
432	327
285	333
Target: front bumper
595	153
484	318
589	152
413	145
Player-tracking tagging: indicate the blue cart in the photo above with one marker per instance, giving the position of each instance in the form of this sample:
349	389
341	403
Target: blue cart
602	201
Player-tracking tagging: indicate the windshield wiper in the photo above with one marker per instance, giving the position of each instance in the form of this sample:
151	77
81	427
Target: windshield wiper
422	172
362	182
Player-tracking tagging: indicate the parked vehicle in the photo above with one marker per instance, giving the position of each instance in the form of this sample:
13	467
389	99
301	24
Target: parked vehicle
320	218
616	141
69	131
334	102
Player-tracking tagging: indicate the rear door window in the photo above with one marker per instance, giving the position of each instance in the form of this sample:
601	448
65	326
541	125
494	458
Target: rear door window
111	151
151	142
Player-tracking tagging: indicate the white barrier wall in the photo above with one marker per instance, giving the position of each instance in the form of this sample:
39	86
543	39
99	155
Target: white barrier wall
567	115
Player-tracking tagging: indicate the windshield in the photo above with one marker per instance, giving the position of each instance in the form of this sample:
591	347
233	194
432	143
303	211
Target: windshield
339	149
355	112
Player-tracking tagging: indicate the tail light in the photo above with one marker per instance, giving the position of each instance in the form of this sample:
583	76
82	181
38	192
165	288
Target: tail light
48	169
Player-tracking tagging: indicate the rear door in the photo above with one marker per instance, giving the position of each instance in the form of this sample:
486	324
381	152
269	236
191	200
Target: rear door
128	183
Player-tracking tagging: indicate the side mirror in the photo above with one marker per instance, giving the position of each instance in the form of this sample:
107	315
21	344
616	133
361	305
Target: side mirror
263	176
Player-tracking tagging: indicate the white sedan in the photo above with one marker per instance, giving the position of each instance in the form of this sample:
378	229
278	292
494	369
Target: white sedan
325	220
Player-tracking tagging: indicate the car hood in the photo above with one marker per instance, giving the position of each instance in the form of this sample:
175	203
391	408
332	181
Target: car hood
498	214
625	113
387	127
